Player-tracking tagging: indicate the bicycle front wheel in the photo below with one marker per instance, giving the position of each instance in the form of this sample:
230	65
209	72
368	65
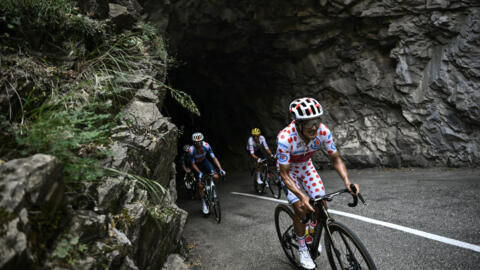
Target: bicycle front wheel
274	185
286	233
345	250
216	205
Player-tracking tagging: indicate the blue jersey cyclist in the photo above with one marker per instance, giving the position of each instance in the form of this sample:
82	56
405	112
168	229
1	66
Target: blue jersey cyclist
296	145
201	164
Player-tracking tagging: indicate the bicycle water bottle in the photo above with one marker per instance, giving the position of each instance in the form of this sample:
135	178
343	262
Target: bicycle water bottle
309	231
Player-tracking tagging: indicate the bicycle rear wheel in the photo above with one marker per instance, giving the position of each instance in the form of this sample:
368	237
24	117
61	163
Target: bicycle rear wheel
216	205
274	185
286	233
346	251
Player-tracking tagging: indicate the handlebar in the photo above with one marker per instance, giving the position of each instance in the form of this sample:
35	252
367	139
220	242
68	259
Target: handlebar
330	196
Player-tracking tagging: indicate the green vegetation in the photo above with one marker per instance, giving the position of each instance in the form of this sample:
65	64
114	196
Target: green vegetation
67	80
69	250
154	189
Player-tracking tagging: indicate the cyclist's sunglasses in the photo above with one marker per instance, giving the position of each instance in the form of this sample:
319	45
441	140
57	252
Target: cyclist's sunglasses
310	123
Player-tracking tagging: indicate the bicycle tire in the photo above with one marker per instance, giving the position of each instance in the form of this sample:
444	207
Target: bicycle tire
286	233
216	205
348	247
274	185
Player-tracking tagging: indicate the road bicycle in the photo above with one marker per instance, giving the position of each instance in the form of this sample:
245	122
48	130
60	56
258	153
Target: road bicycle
344	249
211	196
270	178
190	185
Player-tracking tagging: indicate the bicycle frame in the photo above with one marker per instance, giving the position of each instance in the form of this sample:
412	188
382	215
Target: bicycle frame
323	218
207	184
265	168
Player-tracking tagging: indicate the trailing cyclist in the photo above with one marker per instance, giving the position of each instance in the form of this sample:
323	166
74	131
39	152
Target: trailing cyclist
296	145
256	146
201	164
186	161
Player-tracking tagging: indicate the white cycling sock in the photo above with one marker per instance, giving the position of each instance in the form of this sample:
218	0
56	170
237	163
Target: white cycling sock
301	243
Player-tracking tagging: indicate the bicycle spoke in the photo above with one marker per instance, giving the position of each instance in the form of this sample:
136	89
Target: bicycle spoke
348	252
286	234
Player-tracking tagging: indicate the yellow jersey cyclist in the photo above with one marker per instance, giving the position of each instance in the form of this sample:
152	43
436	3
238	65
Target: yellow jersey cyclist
296	145
256	146
200	163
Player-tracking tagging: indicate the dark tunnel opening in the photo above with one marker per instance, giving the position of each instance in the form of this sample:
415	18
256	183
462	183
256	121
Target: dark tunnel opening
232	99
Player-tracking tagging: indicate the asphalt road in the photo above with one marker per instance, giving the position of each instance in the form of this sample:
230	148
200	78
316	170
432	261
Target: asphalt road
443	202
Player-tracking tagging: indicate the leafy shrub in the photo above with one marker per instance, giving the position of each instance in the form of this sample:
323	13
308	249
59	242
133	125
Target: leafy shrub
43	21
76	137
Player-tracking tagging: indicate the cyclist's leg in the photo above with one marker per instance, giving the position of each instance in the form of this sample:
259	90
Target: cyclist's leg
210	169
204	169
259	154
293	200
310	180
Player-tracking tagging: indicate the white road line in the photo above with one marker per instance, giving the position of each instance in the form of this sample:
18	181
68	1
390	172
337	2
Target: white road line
385	224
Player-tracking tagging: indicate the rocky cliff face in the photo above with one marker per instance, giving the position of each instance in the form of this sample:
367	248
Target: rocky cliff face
126	219
398	80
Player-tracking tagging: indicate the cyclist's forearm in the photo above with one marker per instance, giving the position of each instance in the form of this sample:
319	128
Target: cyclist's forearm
341	169
217	163
195	167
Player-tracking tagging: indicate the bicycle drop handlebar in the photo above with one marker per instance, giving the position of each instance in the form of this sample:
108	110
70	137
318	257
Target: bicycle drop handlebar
330	196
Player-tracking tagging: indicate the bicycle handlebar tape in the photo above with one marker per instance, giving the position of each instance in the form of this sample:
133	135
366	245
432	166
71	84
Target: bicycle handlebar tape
355	197
308	216
362	199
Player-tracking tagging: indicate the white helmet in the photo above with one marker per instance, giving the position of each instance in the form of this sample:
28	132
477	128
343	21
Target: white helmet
305	108
197	137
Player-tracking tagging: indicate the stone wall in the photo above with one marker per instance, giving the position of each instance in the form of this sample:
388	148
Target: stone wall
398	80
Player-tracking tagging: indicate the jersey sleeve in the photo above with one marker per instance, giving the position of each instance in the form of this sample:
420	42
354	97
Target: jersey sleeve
264	142
191	156
208	149
250	147
327	139
283	149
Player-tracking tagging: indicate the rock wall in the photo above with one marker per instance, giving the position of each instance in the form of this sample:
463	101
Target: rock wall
398	80
124	220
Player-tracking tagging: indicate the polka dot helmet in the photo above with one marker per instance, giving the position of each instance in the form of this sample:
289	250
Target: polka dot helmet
197	137
305	108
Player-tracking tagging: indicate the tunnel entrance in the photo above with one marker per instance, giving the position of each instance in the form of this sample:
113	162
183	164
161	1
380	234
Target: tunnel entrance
232	99
377	80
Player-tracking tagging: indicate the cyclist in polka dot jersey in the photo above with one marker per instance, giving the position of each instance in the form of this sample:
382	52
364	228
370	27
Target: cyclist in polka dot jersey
293	150
296	144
